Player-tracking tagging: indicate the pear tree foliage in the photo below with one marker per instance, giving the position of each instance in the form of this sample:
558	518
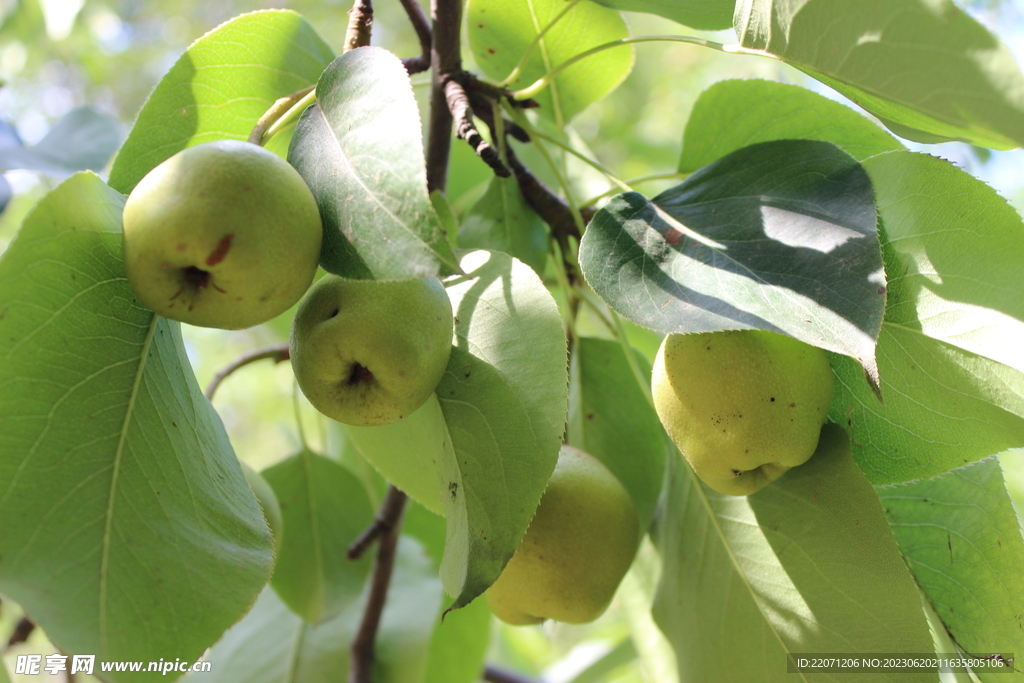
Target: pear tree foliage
128	529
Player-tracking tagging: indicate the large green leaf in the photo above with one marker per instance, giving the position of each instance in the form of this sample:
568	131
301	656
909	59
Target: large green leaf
949	351
799	250
924	67
220	87
500	31
120	496
273	645
504	397
501	220
360	151
706	15
808	564
962	542
734	114
482	452
610	418
324	509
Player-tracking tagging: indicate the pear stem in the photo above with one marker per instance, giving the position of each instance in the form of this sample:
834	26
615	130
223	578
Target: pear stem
280	110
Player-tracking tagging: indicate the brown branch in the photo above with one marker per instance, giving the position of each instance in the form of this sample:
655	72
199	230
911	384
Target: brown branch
360	25
493	674
421	24
22	630
389	516
445	59
462	113
277	353
361	665
276	111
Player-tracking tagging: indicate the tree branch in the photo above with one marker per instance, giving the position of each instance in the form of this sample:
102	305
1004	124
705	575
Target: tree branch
388	517
360	25
421	24
361	664
278	353
462	112
445	59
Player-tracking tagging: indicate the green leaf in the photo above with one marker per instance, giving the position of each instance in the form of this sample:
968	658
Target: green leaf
706	15
734	114
503	396
924	67
963	543
501	220
324	509
120	493
481	453
807	564
406	452
500	31
220	87
610	418
83	139
800	255
459	645
948	353
273	645
360	151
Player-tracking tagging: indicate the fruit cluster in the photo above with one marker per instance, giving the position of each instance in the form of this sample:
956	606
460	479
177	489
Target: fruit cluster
226	234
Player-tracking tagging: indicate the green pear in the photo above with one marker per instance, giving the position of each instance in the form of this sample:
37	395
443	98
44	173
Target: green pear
223	234
368	353
742	406
268	502
579	545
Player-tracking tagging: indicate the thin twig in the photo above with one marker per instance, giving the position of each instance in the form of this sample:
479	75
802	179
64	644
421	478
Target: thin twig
277	353
361	664
462	113
493	674
421	24
388	517
276	111
360	25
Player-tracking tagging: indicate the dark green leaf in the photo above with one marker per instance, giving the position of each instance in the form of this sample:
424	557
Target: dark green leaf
83	139
324	509
733	114
360	151
949	350
706	15
120	493
924	67
501	220
963	543
610	418
807	564
800	253
220	87
501	30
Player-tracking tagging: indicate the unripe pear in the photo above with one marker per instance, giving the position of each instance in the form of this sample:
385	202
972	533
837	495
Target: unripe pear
224	234
579	545
742	406
368	353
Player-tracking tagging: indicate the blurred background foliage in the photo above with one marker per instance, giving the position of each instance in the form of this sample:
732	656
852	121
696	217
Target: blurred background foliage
57	55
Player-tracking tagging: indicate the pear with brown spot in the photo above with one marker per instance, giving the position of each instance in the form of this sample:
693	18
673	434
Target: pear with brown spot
223	234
